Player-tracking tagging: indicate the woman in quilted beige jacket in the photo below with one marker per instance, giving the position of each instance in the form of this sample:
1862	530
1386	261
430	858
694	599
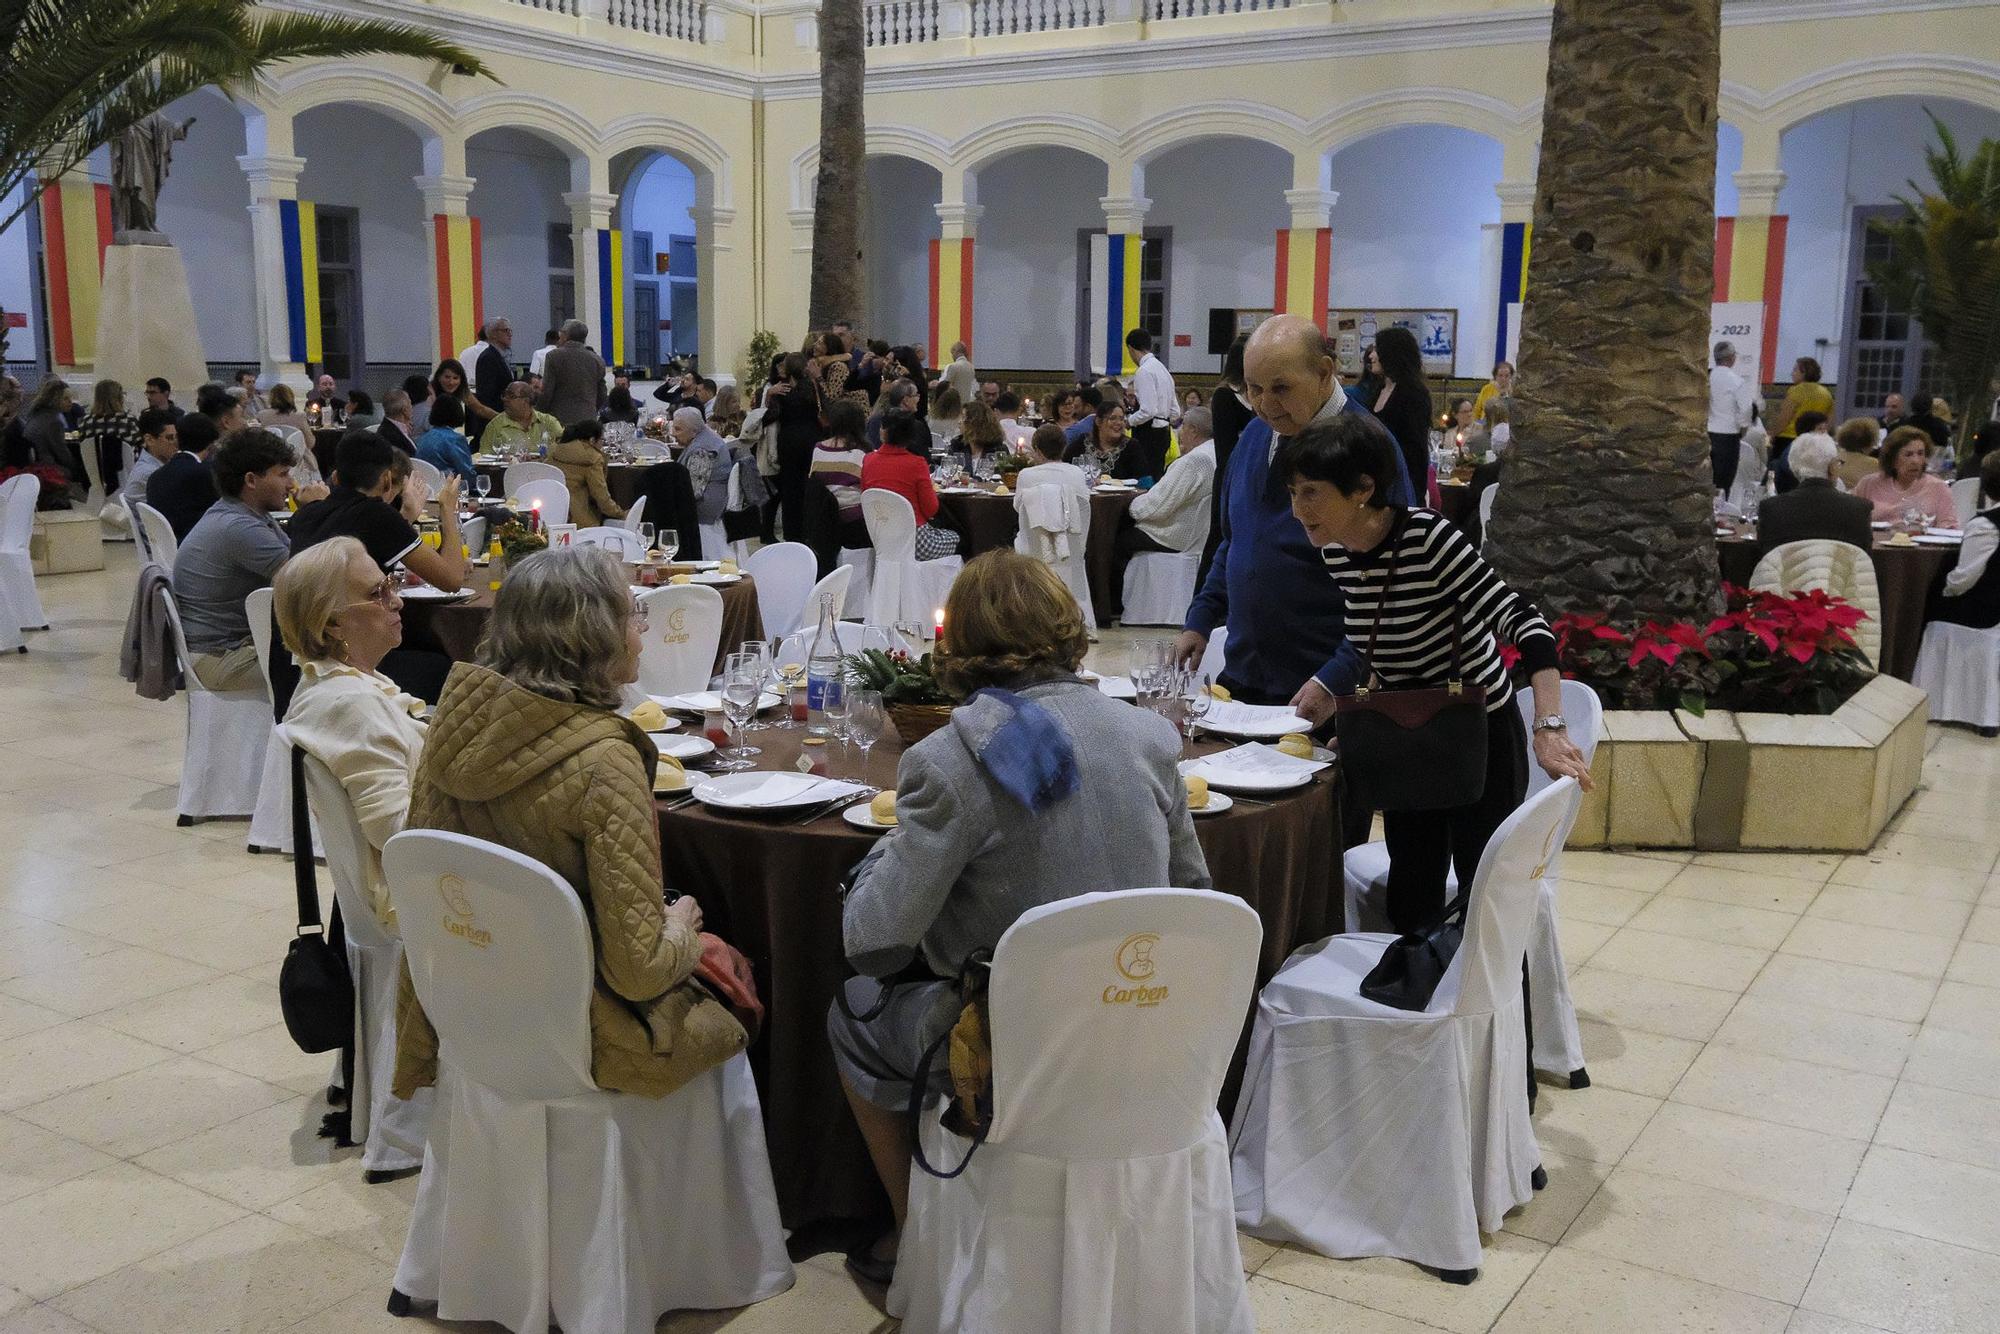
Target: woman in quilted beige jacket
526	751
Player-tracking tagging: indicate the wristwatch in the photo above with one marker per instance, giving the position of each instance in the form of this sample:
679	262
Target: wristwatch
1554	722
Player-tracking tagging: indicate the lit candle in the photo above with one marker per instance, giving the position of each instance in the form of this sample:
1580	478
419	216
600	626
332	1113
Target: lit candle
938	633
535	518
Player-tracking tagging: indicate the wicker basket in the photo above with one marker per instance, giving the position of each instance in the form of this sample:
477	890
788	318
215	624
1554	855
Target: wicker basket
914	722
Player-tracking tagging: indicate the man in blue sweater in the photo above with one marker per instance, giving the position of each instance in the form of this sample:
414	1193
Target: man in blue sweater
1286	619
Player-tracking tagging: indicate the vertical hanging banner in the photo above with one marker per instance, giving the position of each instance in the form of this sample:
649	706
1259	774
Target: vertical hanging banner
1305	261
611	295
299	231
951	296
459	312
1516	242
1114	300
1750	267
76	230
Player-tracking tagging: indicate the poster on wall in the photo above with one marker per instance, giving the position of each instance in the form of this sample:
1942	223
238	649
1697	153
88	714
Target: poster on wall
1436	332
1740	323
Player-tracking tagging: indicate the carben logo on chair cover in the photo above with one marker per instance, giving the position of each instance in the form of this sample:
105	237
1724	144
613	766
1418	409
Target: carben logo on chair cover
459	923
1134	960
676	632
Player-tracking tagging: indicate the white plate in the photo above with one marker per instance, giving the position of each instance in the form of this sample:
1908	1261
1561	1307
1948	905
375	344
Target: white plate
1935	530
1252	721
425	593
1879	523
707	701
1218	802
1253	768
861	817
713	578
763	790
684	748
1936	540
1118	687
670	725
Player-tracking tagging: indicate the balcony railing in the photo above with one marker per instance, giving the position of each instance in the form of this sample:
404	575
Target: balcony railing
999	18
554	6
900	22
906	22
683	19
1190	9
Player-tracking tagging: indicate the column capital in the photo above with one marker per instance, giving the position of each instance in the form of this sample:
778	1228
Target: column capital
1757	192
1125	213
802	229
444	193
590	208
272	175
960	220
1517	200
713	220
1311	209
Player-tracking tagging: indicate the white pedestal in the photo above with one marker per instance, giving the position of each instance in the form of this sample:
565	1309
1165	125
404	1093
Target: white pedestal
145	321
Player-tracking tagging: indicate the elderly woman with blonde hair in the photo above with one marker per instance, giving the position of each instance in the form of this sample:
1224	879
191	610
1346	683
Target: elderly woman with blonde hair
998	812
340	616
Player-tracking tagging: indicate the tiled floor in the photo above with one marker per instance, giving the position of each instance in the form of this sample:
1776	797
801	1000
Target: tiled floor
1795	1123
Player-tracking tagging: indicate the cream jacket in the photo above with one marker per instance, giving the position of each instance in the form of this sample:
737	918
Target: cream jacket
1174	512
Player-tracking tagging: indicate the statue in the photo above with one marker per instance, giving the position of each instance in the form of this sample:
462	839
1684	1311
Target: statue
139	161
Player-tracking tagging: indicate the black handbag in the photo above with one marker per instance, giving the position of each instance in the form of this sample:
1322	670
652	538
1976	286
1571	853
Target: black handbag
1408	973
1421	749
315	990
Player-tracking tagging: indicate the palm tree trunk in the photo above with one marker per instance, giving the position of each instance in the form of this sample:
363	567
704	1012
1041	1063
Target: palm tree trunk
1607	505
839	267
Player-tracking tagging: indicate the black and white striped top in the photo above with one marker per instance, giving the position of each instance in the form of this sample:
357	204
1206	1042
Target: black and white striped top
1436	570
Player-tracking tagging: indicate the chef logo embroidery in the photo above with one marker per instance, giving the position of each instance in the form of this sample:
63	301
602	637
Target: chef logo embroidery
1135	963
458	905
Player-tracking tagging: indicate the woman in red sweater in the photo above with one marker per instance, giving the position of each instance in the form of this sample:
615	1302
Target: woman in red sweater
902	465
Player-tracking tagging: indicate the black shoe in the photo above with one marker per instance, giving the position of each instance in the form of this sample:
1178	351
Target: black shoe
1539	1178
1579	1078
864	1264
377	1177
1459	1276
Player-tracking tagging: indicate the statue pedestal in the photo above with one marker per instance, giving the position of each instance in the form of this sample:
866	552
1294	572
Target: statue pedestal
145	321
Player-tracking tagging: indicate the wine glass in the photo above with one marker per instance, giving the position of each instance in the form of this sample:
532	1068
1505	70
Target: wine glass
791	668
646	536
742	683
757	653
1200	699
865	721
483	484
669	543
835	700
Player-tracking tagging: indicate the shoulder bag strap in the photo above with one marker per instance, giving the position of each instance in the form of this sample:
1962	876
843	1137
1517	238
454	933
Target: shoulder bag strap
302	856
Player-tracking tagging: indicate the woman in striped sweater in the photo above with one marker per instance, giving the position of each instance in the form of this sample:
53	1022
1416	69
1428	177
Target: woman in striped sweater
1338	473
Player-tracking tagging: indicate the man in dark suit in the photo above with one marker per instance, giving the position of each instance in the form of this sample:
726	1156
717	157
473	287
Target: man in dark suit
1815	508
397	419
572	378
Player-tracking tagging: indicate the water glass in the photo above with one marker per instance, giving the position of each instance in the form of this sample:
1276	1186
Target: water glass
834	703
483	484
1198	701
866	720
757	653
742	683
646	536
669	543
791	668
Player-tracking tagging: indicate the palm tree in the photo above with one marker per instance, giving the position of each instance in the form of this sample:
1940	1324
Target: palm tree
1607	505
839	267
78	73
1945	265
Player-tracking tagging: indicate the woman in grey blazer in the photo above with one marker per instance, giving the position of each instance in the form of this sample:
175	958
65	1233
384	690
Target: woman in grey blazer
1041	788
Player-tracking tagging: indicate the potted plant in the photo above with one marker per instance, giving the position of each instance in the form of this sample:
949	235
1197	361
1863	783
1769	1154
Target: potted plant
910	692
516	544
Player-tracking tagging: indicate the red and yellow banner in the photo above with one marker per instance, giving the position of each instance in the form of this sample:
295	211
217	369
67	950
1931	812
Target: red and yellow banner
951	296
1750	266
76	229
458	301
1305	257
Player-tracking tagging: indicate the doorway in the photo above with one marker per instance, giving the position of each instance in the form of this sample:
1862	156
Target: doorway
1885	351
646	323
341	352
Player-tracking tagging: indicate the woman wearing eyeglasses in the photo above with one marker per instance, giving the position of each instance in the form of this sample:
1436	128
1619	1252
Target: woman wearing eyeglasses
339	615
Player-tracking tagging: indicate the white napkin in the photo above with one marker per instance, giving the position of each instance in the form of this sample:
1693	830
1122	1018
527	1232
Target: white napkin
1253	760
783	789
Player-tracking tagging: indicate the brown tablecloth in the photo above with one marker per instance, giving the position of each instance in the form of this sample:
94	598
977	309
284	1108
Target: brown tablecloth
325	439
772	890
625	480
1903	576
987	522
454	628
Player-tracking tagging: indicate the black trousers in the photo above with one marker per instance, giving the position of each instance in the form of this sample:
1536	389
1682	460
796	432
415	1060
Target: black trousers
1152	441
1725	452
1423	844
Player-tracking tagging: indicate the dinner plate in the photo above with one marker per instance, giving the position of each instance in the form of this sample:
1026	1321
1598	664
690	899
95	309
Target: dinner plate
861	817
425	593
763	790
707	701
1218	802
710	577
671	724
1238	780
683	748
1879	523
1938	530
1936	540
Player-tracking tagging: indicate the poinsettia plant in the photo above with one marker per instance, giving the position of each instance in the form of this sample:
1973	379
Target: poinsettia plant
1767	653
900	677
55	492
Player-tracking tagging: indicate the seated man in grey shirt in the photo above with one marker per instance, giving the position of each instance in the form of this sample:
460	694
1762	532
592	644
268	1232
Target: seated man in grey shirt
235	549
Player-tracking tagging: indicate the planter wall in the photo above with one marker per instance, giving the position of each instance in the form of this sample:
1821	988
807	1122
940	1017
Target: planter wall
1757	780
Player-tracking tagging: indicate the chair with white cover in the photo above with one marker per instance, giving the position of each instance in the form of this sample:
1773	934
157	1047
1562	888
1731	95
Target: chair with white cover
834	586
545	1200
1487	495
1965	498
520	474
901	587
156	537
472	533
714	540
1958	666
428	473
859	562
633	515
390	1129
222	763
1100	1201
683	632
271	822
1054	528
784	573
1159	585
1364	1130
551	497
851	636
18	497
1841	569
1558	1041
620	542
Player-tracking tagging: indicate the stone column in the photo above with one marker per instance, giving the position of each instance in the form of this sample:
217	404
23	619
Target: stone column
281	235
1750	249
951	278
598	304
1305	256
718	267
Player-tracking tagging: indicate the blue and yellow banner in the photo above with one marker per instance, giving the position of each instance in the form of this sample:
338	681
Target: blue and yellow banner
300	230
1114	300
611	296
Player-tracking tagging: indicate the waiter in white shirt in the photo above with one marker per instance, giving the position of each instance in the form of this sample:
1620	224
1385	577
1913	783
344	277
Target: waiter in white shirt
1731	406
1152	423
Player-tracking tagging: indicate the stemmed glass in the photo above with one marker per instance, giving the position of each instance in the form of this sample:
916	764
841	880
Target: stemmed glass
483	484
758	654
835	701
1198	701
646	536
791	668
669	543
865	721
1148	661
742	683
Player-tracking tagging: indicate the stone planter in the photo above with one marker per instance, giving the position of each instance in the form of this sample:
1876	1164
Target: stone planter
1757	780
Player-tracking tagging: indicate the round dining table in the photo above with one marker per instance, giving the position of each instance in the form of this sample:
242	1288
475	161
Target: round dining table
1903	577
453	626
985	521
772	888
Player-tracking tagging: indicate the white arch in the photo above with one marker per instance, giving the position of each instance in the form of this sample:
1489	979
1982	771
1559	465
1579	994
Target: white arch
555	123
708	158
1215	120
1451	107
882	141
1055	130
397	96
1956	78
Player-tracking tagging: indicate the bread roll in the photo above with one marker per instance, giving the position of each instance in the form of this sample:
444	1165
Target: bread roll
883	807
1296	744
1197	792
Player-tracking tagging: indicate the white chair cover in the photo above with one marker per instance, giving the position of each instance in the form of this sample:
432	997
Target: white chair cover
630	522
620	542
1558	1041
222	762
902	588
543	1199
115	522
1959	668
271	822
1159	585
834	586
1841	568
1965	498
1054	528
18	497
390	1130
683	632
553	495
784	573
156	536
429	473
10	622
1364	1130
859	562
1487	495
1099	1202
520	474
473	534
714	541
644	448
852	636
